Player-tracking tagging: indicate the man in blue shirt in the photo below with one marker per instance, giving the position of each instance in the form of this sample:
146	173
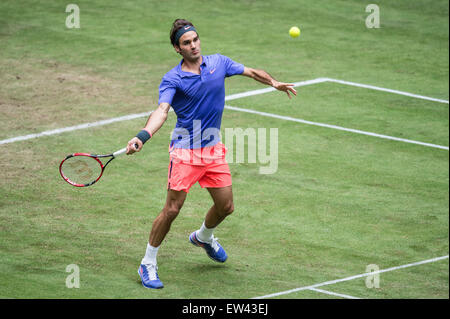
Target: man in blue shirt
195	90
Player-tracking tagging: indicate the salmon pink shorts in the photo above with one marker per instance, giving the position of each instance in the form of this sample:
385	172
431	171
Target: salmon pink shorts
206	165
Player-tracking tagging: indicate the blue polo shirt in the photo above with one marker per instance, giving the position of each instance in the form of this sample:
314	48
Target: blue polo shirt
198	100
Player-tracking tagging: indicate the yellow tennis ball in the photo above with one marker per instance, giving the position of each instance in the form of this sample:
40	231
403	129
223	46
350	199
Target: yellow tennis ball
294	32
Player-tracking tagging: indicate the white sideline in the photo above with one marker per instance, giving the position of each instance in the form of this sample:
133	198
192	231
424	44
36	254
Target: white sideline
387	90
331	282
333	293
292	119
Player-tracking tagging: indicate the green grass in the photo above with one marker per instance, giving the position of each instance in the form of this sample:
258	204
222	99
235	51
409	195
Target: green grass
337	203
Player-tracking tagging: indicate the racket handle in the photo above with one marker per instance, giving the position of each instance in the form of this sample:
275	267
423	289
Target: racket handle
119	152
124	150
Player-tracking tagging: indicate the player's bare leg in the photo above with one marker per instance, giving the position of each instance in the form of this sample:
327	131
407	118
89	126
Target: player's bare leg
161	226
223	207
162	223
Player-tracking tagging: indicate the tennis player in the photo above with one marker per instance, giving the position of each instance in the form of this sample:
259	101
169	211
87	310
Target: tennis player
196	92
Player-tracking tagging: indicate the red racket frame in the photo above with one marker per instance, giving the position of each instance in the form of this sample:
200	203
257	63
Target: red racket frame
88	155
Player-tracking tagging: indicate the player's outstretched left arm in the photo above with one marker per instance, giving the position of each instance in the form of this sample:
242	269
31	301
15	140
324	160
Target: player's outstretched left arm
265	78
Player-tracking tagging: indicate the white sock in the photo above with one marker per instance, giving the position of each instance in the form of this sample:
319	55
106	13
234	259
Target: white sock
150	255
205	234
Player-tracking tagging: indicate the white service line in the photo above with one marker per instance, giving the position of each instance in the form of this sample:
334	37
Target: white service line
271	89
292	119
387	90
331	282
333	293
241	95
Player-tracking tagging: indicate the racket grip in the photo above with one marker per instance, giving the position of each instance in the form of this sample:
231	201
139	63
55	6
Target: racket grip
123	150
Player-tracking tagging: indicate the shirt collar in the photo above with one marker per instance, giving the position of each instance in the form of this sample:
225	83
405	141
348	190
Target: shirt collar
188	74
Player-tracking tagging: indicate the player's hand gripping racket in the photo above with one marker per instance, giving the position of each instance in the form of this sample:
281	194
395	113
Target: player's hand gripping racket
84	169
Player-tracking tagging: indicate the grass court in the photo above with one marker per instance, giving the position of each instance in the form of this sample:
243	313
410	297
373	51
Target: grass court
338	202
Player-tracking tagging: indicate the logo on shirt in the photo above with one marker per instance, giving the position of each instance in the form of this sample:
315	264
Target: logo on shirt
212	71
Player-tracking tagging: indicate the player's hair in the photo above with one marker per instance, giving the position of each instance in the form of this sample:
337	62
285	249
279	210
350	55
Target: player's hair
177	25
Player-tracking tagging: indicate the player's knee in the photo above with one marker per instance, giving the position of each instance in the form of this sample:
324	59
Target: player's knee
228	208
171	211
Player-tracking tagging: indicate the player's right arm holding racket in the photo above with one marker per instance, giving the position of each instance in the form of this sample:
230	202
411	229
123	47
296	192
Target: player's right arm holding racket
154	123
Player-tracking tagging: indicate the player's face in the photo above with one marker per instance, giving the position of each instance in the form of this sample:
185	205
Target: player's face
189	46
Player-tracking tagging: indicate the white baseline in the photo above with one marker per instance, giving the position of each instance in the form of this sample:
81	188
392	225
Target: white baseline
332	293
331	282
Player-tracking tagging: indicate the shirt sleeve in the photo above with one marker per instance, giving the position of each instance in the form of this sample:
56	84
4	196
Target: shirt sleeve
232	67
167	90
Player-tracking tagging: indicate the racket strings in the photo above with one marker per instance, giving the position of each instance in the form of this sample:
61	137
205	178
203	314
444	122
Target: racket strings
81	169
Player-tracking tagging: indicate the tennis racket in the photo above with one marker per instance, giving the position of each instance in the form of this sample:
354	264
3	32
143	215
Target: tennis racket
84	169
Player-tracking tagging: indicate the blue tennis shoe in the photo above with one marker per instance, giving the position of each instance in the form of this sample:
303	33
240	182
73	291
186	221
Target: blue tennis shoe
214	250
149	276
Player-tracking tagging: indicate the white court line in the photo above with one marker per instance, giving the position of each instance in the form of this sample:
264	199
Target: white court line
292	119
387	90
271	89
333	293
74	128
241	95
331	282
138	115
